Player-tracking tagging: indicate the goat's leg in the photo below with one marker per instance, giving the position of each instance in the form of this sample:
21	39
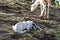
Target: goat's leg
48	10
43	10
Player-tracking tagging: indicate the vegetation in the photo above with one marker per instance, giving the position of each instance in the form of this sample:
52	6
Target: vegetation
12	12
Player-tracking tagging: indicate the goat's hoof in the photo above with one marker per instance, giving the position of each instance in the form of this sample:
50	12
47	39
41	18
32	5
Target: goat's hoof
40	16
47	18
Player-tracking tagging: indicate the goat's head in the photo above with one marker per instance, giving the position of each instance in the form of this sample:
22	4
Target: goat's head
33	7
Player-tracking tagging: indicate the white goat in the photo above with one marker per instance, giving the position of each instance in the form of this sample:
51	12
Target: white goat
24	26
42	6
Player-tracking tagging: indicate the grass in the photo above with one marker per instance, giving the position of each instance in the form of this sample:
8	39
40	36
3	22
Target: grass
8	18
53	27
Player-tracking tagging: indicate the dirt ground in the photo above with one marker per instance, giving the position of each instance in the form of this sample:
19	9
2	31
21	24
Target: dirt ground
9	18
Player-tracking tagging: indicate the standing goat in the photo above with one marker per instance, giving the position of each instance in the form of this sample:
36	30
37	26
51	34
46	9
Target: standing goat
42	4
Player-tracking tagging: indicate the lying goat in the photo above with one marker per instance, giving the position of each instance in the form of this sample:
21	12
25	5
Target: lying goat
25	26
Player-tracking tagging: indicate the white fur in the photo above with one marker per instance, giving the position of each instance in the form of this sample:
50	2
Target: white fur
19	27
42	6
